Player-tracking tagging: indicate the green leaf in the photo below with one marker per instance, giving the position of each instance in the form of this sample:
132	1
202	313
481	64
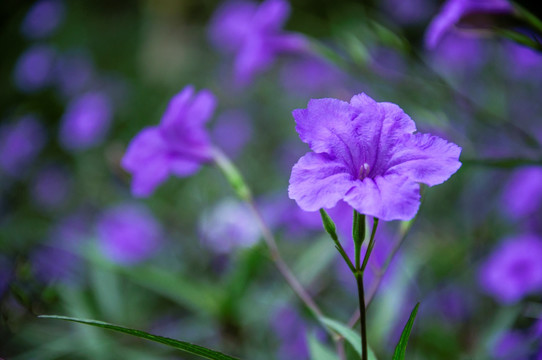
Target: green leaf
349	335
400	349
318	351
197	296
180	345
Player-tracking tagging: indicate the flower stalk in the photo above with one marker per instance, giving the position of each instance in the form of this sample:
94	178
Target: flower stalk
358	234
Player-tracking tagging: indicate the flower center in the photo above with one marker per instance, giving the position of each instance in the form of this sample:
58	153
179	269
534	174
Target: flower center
363	171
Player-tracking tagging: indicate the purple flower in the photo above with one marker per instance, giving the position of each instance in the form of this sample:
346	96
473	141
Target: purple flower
291	331
524	62
514	269
366	153
51	188
128	234
232	131
409	11
455	12
51	263
310	75
86	121
34	68
456	52
178	146
228	226
73	72
42	19
510	345
253	32
522	195
20	143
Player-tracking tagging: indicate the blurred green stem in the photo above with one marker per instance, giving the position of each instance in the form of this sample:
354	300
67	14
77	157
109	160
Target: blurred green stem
238	184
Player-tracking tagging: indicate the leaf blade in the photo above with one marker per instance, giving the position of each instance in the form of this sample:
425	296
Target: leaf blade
400	349
349	335
318	351
179	345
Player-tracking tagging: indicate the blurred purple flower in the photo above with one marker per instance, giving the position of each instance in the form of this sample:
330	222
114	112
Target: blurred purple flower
510	345
51	188
72	231
253	33
58	260
279	212
513	270
308	76
232	130
523	61
20	143
34	68
128	234
409	11
228	226
291	331
366	154
455	52
463	12
51	263
522	195
43	19
73	73
178	146
86	121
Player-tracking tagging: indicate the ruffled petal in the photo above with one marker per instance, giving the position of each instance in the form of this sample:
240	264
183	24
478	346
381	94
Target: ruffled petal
326	126
176	109
254	56
318	181
380	126
145	181
385	197
146	159
144	149
424	158
271	15
201	108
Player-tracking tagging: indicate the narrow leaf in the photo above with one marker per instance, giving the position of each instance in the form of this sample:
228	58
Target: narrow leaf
400	350
180	345
349	335
318	351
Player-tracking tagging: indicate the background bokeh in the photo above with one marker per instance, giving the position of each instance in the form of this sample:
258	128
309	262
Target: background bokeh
81	78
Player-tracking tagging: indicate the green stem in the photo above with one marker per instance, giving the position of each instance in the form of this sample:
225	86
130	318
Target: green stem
358	234
361	295
370	246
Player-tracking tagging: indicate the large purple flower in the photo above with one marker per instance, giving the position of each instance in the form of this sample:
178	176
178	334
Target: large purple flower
366	153
455	12
253	32
178	146
514	269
